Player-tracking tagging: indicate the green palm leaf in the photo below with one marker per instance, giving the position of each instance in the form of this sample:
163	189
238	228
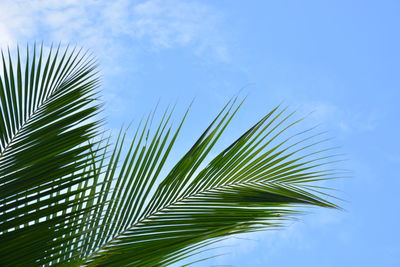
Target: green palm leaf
68	200
46	119
252	185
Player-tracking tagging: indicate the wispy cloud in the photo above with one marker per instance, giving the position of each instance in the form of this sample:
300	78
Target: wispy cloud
103	24
348	120
297	236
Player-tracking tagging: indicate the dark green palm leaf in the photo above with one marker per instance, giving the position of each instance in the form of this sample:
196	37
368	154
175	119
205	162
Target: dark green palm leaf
68	200
47	108
252	185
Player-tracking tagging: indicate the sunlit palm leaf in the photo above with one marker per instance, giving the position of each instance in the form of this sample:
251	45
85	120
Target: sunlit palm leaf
250	186
67	200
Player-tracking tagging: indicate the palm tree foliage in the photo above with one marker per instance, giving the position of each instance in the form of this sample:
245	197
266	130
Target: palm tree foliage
70	197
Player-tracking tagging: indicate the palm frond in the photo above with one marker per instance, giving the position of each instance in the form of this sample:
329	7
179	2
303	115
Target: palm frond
252	185
67	199
48	108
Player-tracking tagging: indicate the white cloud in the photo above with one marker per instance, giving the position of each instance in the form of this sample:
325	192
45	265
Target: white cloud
15	22
169	23
105	25
297	235
354	119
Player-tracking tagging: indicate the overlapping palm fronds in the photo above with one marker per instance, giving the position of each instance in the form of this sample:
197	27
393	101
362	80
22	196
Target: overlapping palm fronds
66	199
46	120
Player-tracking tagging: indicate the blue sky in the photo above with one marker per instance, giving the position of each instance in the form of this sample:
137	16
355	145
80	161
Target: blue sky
339	59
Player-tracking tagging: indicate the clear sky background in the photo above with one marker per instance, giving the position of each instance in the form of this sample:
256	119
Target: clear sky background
339	59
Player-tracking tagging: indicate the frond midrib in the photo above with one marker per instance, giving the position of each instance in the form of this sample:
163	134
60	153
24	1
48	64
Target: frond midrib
30	116
182	199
